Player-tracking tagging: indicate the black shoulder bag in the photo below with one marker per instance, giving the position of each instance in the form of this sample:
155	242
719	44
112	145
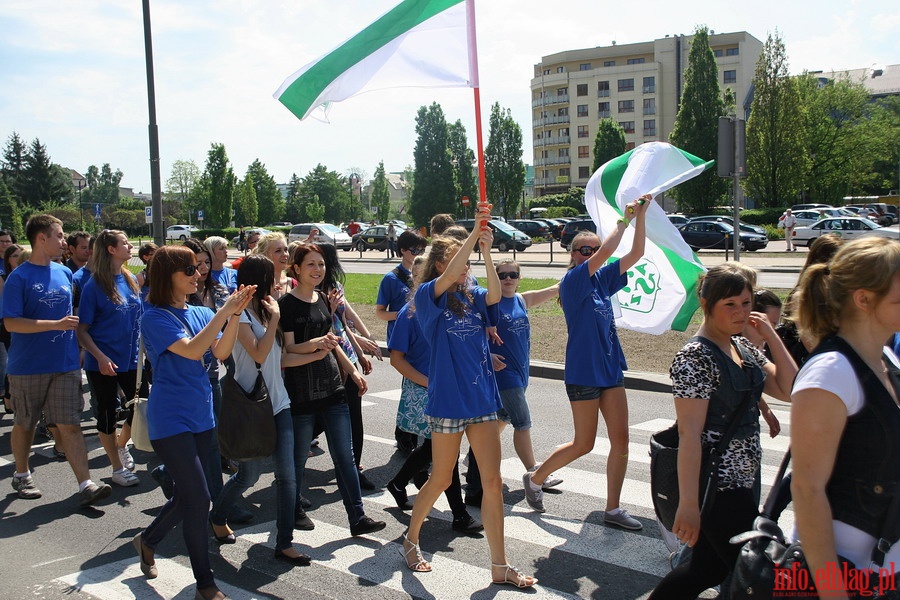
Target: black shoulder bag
664	464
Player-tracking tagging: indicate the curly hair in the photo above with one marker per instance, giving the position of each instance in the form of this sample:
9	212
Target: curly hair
443	249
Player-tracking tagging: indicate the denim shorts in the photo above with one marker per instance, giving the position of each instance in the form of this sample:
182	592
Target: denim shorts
442	425
587	392
515	408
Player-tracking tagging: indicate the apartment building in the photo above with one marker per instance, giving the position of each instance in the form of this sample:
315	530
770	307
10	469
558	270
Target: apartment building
639	85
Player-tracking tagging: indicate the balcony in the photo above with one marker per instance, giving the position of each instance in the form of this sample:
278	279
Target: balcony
548	100
550	121
553	141
552	160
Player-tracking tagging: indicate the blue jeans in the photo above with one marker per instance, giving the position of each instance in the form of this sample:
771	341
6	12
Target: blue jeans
285	483
340	445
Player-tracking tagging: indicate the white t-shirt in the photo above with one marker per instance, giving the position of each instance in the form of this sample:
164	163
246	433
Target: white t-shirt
245	372
789	221
831	372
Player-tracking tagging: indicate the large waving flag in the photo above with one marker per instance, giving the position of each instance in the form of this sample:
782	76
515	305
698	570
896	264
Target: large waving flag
661	293
419	43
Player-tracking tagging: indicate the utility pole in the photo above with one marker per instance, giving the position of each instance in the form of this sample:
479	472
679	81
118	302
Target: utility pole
155	186
731	162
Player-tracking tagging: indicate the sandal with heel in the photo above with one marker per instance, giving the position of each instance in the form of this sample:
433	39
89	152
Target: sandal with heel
514	577
420	565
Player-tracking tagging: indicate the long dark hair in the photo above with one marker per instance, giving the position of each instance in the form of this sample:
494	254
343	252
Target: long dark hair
196	246
334	272
258	270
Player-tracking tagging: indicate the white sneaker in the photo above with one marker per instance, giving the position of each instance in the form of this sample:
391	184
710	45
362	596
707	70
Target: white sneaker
126	458
550	482
125	478
622	519
534	495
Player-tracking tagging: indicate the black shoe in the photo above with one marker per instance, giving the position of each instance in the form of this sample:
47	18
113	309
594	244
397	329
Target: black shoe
164	480
420	478
473	499
229	467
364	482
222	539
399	495
366	525
239	516
302	521
298	561
467	524
304	502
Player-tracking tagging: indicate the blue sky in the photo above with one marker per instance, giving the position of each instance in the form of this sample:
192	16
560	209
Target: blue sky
72	73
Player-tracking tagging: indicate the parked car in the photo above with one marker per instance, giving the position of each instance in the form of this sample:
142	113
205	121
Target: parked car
328	234
554	225
237	239
506	237
848	228
878	212
280	224
677	220
531	227
572	228
797	207
805	218
702	235
373	238
180	232
730	220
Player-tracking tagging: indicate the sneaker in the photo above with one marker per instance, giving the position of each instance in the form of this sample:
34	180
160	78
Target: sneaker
125	478
550	482
366	525
467	524
94	492
165	482
126	459
302	521
400	496
25	487
622	519
534	495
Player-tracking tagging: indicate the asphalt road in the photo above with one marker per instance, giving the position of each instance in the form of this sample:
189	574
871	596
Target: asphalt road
49	548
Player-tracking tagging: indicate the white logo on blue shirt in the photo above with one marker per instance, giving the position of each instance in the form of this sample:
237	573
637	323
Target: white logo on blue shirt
462	327
53	298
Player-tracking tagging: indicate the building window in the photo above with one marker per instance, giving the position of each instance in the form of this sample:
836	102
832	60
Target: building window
546	71
581	89
545	154
626	106
649	106
564	132
582	110
626	85
563	112
718	53
584	152
650	127
628	126
602	89
649	85
635	61
563	152
602	110
609	63
583	131
584	172
584	67
732	51
564	172
729	77
562	91
560	69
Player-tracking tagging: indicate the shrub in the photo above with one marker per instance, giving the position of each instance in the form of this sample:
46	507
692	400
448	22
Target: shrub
762	216
772	232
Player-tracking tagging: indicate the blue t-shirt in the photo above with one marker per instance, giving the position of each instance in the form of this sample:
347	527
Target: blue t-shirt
181	395
113	327
594	356
515	331
408	338
461	383
227	277
79	280
43	293
393	294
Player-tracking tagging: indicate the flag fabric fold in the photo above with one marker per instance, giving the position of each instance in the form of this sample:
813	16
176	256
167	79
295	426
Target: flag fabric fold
661	292
418	43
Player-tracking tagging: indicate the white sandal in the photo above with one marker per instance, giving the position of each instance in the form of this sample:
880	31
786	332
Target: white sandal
421	565
519	580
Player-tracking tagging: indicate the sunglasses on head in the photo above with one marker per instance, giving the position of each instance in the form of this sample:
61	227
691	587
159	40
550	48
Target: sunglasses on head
509	275
587	250
189	270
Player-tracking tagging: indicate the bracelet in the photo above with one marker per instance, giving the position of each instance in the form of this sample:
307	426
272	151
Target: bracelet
236	315
622	220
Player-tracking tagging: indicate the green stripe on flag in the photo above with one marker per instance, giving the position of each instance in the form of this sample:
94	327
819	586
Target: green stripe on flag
611	177
688	274
407	15
696	161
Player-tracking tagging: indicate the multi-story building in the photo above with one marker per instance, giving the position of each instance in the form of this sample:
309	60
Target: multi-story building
639	85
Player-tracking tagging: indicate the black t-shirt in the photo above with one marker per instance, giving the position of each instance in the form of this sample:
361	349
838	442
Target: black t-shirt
316	385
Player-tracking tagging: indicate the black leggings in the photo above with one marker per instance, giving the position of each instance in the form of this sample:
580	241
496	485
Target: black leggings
418	460
106	392
713	556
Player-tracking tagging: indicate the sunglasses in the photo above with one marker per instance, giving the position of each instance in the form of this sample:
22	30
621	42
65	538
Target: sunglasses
416	251
509	275
189	270
587	250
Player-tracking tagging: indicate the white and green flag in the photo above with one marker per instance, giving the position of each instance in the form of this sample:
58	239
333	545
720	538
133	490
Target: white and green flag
661	292
418	43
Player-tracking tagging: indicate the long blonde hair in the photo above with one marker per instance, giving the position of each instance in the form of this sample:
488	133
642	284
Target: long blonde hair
101	266
442	249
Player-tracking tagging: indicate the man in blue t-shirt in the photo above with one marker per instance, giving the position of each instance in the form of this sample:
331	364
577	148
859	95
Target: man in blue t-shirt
393	293
44	365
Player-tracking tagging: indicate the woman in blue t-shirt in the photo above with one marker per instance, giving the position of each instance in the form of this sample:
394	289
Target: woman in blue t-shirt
595	382
462	390
108	329
177	336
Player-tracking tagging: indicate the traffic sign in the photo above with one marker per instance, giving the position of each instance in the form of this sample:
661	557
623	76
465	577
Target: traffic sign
199	215
97	212
465	200
148	215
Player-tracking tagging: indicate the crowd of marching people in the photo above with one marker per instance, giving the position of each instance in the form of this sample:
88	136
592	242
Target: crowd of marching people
278	317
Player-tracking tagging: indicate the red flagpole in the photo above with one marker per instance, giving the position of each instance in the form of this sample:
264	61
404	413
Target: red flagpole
473	77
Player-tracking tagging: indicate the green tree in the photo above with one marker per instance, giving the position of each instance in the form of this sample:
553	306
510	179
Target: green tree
697	124
328	190
269	199
885	121
245	201
381	195
180	185
293	206
12	167
218	183
435	191
102	185
315	212
42	186
504	170
462	158
10	213
777	163
609	142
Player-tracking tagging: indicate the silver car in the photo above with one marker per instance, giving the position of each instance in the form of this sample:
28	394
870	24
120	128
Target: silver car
328	234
